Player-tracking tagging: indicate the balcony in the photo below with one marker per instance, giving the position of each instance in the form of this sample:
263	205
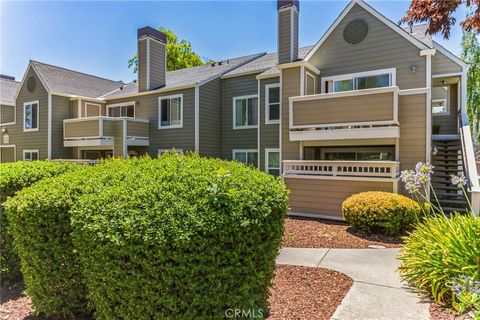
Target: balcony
105	131
337	169
362	114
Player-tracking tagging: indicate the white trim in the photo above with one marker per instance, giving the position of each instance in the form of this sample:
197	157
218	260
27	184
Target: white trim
346	134
377	15
247	151
30	65
159	109
148	64
79	108
31	151
98	105
391	71
280	125
314	216
267	103
446	75
345	178
408	92
38	116
447	107
9	146
234	99
124	138
49	127
99	142
246	73
197	119
14	114
428	52
120	105
299	63
428	85
267	151
262	76
302	81
308	74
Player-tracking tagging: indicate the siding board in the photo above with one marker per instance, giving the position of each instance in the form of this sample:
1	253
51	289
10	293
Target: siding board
211	119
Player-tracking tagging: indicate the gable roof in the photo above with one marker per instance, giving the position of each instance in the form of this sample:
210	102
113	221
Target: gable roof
263	63
8	90
187	77
419	44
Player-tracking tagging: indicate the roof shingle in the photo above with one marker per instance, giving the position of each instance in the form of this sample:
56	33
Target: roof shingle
8	90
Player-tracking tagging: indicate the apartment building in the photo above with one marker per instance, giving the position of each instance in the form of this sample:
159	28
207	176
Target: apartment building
342	116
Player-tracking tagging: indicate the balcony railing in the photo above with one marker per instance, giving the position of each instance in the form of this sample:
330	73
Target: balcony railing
357	114
105	131
320	168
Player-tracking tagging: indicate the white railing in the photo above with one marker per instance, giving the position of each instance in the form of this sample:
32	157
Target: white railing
372	169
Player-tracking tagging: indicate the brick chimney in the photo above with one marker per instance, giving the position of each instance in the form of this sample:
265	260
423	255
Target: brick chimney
152	59
287	30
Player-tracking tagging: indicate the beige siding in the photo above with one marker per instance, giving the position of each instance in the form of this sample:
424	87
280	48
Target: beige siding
87	108
269	133
109	129
7	114
142	65
441	64
448	123
118	142
382	48
35	140
137	129
157	64
78	129
211	119
373	107
284	42
290	88
180	138
239	138
7	154
60	110
325	197
310	83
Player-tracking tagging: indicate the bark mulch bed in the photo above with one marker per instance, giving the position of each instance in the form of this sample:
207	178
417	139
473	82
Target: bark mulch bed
308	233
438	312
306	293
14	305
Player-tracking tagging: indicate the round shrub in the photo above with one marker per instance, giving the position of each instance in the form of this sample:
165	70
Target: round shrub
439	254
16	176
380	212
184	238
40	222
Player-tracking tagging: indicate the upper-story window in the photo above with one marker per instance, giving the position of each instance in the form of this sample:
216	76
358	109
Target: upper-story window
272	103
360	81
170	112
121	110
245	112
30	116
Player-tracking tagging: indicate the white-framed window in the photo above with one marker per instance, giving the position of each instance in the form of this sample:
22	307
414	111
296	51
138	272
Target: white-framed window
310	84
272	103
94	109
31	116
248	157
245	112
121	110
360	81
170	112
162	151
7	115
30	155
440	107
272	161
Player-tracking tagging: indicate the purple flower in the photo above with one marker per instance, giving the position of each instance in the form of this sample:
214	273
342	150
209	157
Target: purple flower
459	180
423	172
410	178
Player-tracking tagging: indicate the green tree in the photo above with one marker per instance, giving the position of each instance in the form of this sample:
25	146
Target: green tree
471	55
179	53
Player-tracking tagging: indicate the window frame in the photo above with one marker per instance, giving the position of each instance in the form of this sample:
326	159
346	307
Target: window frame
99	106
267	167
234	103
267	103
352	76
14	114
159	112
119	105
31	151
247	151
447	107
38	115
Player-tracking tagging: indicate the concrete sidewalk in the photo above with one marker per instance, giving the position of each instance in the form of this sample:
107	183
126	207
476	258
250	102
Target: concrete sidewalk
377	291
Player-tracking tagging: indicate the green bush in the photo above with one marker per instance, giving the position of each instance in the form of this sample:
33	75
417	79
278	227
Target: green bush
380	212
440	255
14	177
40	222
183	238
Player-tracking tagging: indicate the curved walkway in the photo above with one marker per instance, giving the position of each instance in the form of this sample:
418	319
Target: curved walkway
377	292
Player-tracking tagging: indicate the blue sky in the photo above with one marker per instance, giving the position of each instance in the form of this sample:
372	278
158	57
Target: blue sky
99	37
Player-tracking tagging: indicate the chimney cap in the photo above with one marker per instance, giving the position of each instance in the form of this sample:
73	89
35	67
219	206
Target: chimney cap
152	33
288	3
3	76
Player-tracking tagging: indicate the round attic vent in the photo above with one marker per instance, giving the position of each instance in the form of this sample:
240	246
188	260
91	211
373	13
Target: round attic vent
355	31
31	84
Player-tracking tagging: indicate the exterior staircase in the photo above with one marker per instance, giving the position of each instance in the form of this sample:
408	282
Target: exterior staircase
448	161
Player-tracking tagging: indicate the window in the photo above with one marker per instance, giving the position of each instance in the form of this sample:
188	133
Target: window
373	153
245	112
272	161
30	155
272	103
117	111
360	81
440	107
30	116
247	157
170	112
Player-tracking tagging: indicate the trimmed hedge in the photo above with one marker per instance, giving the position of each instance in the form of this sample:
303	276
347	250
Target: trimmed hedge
177	237
14	177
380	212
